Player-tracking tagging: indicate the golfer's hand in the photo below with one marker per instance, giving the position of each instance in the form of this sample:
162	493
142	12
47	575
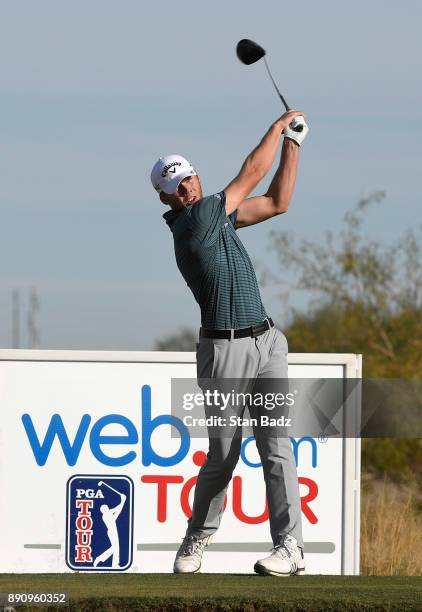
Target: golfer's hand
287	118
291	130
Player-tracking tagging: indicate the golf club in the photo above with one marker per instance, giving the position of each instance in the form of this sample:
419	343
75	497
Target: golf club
110	487
250	52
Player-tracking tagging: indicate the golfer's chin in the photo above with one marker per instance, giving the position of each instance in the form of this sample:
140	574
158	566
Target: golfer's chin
193	200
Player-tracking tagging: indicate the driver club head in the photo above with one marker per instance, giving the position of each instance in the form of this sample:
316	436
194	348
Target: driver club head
249	51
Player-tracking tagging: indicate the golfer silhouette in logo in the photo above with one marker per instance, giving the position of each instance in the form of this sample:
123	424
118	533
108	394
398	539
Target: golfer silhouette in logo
110	516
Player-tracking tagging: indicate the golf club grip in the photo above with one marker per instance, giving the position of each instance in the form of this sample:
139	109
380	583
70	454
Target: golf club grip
298	128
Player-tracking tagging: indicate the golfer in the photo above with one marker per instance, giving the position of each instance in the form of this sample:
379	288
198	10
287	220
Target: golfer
110	516
237	338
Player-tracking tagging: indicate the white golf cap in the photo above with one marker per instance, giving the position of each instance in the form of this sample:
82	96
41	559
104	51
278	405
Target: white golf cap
169	171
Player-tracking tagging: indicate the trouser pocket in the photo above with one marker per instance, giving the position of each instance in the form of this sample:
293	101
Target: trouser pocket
206	359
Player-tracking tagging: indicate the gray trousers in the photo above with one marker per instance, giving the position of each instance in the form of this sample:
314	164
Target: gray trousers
246	360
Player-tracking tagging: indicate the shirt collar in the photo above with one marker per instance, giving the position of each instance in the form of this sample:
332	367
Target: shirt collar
171	215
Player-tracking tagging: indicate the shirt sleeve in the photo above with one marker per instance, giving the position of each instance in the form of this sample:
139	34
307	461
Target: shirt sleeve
232	216
208	216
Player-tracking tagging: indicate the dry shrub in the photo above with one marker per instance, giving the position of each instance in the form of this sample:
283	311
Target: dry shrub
391	531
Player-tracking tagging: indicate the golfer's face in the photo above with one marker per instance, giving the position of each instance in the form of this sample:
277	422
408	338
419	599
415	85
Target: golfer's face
188	192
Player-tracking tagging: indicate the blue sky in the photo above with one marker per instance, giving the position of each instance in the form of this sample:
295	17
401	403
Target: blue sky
92	93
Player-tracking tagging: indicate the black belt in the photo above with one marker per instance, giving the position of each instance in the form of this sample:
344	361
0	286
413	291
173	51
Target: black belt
244	332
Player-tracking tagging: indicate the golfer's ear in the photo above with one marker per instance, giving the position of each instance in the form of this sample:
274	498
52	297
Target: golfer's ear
163	197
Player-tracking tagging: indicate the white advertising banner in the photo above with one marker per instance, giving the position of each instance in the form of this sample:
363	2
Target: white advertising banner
93	480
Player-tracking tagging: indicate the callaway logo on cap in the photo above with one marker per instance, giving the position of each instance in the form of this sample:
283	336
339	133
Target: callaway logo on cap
169	171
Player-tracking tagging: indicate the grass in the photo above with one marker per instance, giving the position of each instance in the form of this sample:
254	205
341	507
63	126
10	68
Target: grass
391	532
162	592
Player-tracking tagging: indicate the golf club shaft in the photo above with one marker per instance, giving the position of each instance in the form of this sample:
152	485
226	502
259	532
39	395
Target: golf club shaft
297	128
110	487
275	85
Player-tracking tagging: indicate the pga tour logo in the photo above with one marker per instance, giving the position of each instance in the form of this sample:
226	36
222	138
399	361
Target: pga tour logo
99	523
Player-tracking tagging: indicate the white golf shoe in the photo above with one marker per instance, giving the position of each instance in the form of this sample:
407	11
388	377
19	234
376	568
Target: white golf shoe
286	560
189	556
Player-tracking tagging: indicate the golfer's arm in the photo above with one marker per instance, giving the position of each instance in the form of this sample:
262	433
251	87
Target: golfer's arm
254	168
117	510
277	199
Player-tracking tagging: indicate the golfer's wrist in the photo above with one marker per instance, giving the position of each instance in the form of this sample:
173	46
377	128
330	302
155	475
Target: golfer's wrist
290	145
279	126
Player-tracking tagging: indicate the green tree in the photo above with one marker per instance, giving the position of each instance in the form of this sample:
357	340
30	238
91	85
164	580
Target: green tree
367	296
182	340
